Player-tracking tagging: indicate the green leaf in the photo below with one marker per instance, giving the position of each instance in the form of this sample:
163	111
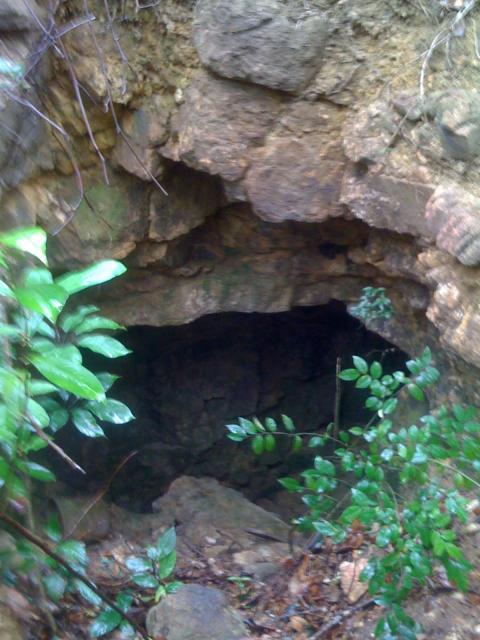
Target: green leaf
74	552
37	413
106	622
167	542
41	387
36	471
145	580
167	565
288	423
257	445
160	592
173	587
316	441
290	484
360	364
95	274
104	345
324	466
107	380
271	424
97	323
31	240
69	321
87	593
138	564
58	419
86	423
5	290
46	299
297	444
376	370
58	368
415	391
270	442
110	410
349	374
55	586
37	276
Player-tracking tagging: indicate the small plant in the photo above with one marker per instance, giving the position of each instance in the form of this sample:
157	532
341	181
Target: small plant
150	572
44	386
408	486
374	304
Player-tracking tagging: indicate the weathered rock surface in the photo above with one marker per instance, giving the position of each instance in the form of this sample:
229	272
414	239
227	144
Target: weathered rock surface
195	613
16	15
257	41
204	508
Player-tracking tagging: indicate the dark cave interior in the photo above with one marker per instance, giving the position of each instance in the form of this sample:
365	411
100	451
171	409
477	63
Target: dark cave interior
185	383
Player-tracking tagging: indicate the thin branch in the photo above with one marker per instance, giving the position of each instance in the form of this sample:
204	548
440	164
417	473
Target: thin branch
38	542
41	434
340	618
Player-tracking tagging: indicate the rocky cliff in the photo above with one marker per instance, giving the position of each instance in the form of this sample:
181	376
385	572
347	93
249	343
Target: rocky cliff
308	148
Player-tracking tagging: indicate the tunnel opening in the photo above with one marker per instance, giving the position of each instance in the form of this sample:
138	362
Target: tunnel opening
185	383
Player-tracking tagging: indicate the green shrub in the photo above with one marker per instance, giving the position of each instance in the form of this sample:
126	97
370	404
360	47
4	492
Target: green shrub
409	484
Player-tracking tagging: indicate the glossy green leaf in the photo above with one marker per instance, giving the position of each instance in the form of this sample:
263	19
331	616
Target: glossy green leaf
107	380
167	565
46	299
41	388
104	345
288	423
87	593
106	622
35	276
112	411
145	580
297	444
360	364
167	542
74	552
58	368
349	375
31	240
37	414
95	274
68	321
58	419
86	423
36	471
5	290
269	442
138	564
97	323
257	445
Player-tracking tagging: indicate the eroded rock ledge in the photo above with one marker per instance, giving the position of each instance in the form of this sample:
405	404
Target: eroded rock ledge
300	162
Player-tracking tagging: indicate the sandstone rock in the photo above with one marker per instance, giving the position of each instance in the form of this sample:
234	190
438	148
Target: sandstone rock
204	507
453	218
388	203
256	41
458	119
195	612
107	223
146	128
289	180
192	197
219	124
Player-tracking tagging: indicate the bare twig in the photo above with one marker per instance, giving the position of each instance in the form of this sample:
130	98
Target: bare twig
340	618
101	493
41	434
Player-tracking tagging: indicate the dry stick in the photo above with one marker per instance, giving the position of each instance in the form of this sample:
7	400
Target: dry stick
339	618
38	542
41	434
101	493
78	96
40	24
111	106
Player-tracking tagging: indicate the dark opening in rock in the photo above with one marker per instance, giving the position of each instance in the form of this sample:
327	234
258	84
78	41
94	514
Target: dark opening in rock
185	383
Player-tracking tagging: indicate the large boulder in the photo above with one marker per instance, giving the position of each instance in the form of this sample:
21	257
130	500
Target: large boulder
195	613
255	40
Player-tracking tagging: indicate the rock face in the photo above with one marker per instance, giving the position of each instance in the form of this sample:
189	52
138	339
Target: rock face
195	613
257	41
266	123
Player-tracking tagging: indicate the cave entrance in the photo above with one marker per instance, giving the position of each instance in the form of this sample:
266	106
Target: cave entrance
185	383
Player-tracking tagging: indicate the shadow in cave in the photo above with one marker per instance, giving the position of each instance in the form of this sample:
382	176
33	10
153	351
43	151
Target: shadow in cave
185	383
